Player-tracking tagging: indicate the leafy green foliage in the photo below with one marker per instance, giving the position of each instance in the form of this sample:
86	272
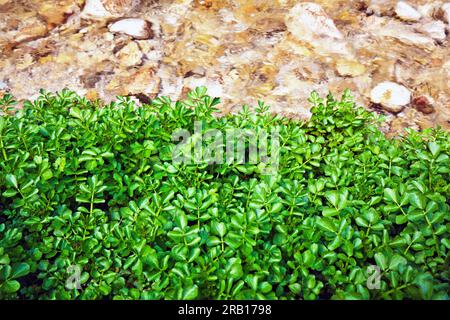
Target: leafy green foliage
94	186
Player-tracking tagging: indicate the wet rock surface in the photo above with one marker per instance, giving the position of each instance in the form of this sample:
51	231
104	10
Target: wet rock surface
277	51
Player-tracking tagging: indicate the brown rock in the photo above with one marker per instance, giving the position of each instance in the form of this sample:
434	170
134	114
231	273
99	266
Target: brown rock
130	55
350	68
142	80
424	104
31	31
119	7
55	14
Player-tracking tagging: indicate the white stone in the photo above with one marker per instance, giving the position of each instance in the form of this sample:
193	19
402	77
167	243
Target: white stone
446	12
108	36
94	9
391	96
136	28
406	12
428	9
434	29
402	32
307	21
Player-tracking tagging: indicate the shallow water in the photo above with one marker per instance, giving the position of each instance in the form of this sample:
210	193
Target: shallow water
241	50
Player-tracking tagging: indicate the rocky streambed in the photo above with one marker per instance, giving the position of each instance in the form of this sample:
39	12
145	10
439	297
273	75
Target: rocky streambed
393	55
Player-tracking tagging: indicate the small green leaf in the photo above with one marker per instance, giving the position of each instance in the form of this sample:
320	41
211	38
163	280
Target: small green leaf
381	260
11	286
12	180
434	148
390	195
417	200
401	219
396	261
332	197
20	270
190	293
326	224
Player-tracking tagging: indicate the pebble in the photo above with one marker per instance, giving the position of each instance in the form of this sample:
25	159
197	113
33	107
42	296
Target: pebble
391	96
424	104
308	21
130	55
434	29
135	28
350	68
406	12
446	12
94	9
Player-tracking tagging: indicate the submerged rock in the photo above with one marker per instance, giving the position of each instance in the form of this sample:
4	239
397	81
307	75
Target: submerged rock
350	68
130	55
101	9
424	104
429	9
94	9
406	12
136	28
244	51
391	96
120	7
33	30
308	22
446	12
406	34
434	29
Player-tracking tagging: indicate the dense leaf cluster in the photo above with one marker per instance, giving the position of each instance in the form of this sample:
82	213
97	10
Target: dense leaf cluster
94	187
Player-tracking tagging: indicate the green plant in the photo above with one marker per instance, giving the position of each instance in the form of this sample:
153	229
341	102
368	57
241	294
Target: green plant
95	187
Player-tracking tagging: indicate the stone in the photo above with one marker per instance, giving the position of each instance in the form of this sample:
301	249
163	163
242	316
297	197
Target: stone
429	9
434	29
105	9
446	12
307	21
31	32
25	62
406	12
133	27
142	80
94	9
55	14
130	55
424	104
350	68
120	7
391	96
403	33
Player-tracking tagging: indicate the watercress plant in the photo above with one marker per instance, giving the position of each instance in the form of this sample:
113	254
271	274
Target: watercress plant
94	187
